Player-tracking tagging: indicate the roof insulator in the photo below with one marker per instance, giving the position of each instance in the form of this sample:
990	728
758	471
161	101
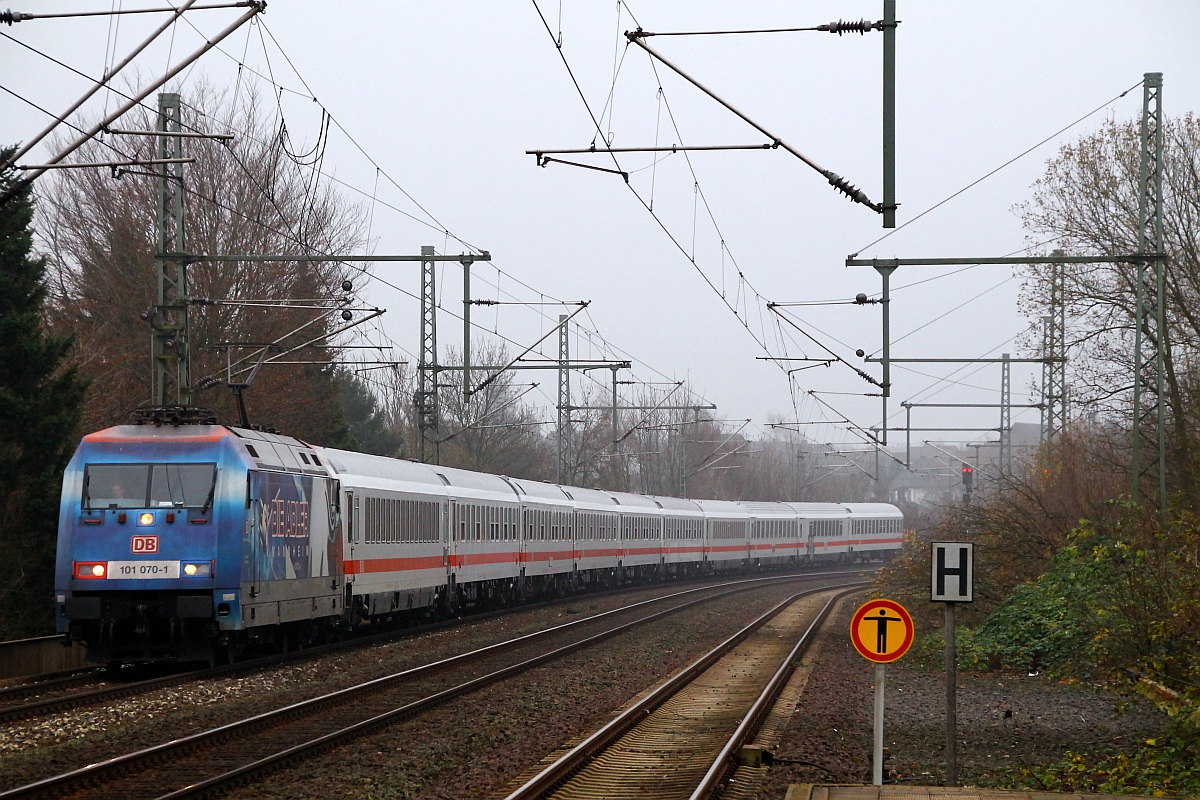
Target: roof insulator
847	188
850	26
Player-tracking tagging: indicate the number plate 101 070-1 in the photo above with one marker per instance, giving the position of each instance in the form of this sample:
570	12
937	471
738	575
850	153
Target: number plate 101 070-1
142	569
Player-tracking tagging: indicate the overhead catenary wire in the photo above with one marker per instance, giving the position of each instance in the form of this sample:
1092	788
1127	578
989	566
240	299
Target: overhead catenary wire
744	312
739	314
255	8
1008	163
436	224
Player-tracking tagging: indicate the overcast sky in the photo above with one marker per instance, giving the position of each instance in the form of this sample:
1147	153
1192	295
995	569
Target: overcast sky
434	105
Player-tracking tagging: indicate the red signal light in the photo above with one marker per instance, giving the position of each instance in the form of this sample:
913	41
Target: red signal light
968	470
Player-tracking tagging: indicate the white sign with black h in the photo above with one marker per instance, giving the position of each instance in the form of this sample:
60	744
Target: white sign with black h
953	572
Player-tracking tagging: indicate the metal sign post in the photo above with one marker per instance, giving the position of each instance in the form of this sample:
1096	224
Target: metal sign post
952	582
881	631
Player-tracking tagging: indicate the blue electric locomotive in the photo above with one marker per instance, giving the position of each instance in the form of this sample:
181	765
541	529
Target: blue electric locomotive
177	542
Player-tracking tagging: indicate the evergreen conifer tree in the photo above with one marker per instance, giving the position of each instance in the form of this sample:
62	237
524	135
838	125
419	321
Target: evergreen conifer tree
41	398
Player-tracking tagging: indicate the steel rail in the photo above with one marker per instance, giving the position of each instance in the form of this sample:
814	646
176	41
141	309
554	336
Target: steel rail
553	775
750	725
429	702
29	686
15	711
59	785
68	702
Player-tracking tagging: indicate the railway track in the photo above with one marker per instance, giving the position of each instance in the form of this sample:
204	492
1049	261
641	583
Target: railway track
19	692
684	738
90	687
82	688
214	759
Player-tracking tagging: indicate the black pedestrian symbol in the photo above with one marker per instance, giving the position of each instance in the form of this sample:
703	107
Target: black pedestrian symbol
882	630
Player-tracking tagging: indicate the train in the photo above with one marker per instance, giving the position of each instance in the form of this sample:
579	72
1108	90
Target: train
199	542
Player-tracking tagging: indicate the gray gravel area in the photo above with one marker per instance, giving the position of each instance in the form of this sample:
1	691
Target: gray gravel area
479	745
1005	722
474	747
37	748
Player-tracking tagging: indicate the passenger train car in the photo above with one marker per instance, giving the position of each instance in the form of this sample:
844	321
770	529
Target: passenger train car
191	542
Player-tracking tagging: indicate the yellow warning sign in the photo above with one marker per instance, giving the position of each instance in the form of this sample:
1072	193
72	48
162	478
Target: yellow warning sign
882	631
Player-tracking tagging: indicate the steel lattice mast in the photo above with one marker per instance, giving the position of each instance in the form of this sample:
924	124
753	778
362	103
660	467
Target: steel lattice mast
169	347
1149	412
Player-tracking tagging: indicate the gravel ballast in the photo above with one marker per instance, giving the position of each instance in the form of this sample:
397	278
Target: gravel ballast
1005	722
476	746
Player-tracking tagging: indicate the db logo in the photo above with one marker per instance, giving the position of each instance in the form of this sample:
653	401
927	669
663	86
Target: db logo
145	544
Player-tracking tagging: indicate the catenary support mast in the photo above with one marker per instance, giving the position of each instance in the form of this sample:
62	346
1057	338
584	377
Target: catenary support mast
170	352
1149	411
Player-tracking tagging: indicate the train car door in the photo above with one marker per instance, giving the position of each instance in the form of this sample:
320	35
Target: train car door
255	543
351	526
451	546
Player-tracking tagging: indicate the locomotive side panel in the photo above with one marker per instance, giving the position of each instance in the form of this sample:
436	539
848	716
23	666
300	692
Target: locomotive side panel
291	565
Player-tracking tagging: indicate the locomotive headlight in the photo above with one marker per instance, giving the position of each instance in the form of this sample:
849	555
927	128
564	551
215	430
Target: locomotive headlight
146	518
189	569
91	569
202	569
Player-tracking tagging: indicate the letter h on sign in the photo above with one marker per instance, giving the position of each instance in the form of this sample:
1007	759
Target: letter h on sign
953	572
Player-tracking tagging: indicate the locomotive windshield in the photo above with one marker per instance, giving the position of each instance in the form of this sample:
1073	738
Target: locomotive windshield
148	485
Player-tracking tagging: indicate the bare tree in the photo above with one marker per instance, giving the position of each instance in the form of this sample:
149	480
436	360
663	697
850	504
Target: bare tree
251	196
495	430
594	460
1087	203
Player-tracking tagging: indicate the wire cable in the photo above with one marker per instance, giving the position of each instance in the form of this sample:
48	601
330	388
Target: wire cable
1011	161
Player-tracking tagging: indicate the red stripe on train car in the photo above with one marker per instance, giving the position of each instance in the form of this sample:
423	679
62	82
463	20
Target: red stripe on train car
371	565
476	559
677	550
546	555
611	552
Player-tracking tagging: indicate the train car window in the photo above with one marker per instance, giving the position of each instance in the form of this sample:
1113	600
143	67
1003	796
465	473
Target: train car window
369	518
316	460
182	485
304	458
115	485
